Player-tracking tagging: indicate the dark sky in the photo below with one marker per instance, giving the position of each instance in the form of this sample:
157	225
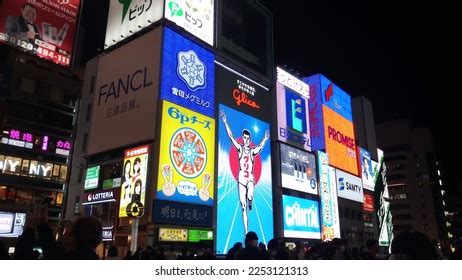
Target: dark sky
400	55
403	56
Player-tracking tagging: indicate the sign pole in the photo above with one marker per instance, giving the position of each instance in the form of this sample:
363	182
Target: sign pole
134	244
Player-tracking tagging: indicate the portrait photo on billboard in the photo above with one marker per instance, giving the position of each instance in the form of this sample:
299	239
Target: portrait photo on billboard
45	28
301	217
366	168
292	113
188	74
298	170
133	188
187	156
241	93
244	201
195	16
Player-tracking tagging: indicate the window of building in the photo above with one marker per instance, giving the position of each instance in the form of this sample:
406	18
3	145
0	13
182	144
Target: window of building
85	142
92	85
353	214
27	85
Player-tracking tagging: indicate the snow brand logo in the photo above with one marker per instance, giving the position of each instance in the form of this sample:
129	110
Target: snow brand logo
191	70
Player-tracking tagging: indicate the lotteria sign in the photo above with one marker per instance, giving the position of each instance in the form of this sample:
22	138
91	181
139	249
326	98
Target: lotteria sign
99	197
188	74
349	186
301	218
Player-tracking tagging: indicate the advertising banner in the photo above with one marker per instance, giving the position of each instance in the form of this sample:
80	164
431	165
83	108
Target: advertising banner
241	93
195	16
293	124
130	16
126	95
349	186
336	99
174	213
187	153
197	235
188	74
244	179
288	80
92	178
298	170
133	189
173	235
340	141
367	172
33	168
368	203
45	28
12	224
329	205
301	218
99	197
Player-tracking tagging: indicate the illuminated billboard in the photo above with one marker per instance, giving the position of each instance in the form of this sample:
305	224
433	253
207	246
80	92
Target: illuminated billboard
127	17
340	141
26	167
298	170
241	93
367	171
195	16
12	224
126	95
133	189
328	193
188	72
292	112
173	235
288	80
368	204
301	217
92	178
45	28
186	160
244	201
349	186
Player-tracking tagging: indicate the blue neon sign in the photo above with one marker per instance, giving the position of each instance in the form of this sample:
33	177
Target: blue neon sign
301	217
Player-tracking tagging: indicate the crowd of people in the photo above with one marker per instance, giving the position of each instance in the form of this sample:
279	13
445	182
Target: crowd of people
81	238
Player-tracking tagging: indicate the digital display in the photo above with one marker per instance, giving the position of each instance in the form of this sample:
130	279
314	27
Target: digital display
12	224
301	218
349	186
298	170
176	213
173	235
92	178
367	171
128	17
293	123
241	93
292	82
196	235
45	28
328	194
368	204
126	94
133	189
187	152
195	16
340	141
336	99
188	74
244	179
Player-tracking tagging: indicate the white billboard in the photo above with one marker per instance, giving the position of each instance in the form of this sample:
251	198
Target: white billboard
127	17
195	16
126	93
349	186
292	82
298	170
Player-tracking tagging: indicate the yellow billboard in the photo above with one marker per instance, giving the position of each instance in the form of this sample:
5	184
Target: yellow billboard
186	156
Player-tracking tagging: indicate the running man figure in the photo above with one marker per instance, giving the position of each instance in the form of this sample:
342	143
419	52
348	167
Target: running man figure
247	154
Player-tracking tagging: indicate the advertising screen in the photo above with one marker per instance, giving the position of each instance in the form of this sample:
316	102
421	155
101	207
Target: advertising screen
133	189
126	95
340	141
244	179
130	16
298	170
349	186
293	124
367	171
328	194
368	203
45	28
336	99
195	16
173	235
12	224
188	74
301	218
92	178
187	153
241	93
196	235
288	80
176	213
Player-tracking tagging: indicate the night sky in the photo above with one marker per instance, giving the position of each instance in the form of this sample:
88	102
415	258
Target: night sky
400	56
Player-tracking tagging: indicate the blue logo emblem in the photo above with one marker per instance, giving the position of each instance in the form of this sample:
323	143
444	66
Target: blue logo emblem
341	183
191	70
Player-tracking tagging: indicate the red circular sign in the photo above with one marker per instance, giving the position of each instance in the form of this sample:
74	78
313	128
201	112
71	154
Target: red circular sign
234	162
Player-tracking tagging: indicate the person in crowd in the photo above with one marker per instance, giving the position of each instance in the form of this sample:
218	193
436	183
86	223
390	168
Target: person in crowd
87	233
250	252
372	249
273	248
362	252
412	245
313	252
263	250
3	251
237	247
340	248
355	254
329	250
112	253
